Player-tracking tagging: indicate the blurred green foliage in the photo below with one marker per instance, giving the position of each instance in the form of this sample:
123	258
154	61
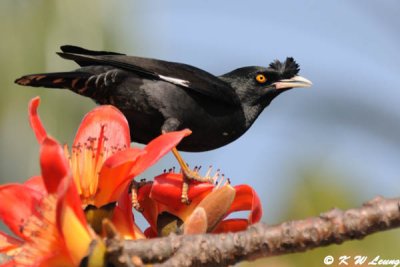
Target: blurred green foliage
32	31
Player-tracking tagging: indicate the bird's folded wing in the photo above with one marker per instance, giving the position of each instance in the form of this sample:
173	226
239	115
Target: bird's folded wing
183	75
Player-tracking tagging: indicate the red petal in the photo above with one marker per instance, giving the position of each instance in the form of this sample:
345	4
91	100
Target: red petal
123	218
157	148
10	263
231	225
8	242
18	202
71	222
114	175
124	156
149	206
34	120
247	199
167	189
53	164
125	202
150	233
116	128
36	183
67	195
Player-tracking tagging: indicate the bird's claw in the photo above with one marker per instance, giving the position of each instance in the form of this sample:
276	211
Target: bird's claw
195	176
192	175
185	199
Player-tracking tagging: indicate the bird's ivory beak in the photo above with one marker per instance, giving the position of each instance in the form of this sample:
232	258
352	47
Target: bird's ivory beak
295	82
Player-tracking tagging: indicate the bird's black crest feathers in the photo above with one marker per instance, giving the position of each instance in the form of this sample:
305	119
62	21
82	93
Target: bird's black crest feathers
288	69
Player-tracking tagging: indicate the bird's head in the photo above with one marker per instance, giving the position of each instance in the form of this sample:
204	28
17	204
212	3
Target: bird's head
257	86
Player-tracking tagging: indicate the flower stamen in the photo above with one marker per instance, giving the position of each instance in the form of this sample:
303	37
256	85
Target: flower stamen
41	230
86	161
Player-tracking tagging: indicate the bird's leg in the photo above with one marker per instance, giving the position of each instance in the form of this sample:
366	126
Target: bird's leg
188	175
187	172
169	125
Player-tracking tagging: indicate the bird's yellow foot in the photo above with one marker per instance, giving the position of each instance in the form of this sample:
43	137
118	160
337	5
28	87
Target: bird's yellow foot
190	175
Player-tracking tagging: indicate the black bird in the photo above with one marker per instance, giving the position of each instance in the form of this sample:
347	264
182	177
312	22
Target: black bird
160	96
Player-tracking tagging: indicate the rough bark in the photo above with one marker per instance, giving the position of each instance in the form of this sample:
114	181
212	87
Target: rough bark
261	240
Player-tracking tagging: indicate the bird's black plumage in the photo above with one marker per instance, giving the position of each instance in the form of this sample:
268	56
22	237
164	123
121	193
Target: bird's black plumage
157	95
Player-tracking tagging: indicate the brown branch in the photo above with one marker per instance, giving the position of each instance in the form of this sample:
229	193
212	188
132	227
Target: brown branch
260	240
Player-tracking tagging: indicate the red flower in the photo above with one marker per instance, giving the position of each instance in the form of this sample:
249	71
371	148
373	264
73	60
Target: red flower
46	216
101	161
209	206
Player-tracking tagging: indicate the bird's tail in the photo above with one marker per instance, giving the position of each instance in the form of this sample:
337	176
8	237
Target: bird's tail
74	81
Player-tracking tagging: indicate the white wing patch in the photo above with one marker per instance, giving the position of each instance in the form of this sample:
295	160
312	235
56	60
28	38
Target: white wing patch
176	81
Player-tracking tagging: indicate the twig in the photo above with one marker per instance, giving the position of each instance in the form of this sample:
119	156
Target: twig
260	240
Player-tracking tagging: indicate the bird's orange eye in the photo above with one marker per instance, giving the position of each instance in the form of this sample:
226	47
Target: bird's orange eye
261	78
